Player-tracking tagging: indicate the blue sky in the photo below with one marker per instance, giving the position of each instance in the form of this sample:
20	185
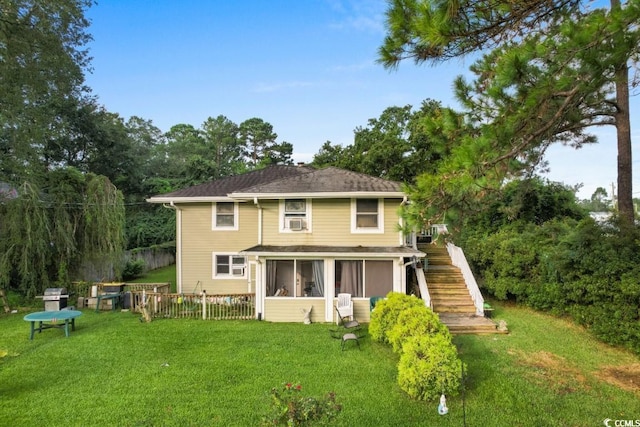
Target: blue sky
305	66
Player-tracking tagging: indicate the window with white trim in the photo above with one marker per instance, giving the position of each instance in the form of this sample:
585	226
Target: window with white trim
225	216
229	266
295	216
367	216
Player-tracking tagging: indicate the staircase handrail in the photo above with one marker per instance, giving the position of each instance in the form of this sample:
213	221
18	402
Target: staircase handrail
422	285
459	260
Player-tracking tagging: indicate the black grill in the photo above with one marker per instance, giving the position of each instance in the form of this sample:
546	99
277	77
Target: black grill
55	299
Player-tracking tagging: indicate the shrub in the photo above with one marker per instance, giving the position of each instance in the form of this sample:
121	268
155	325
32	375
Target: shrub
415	321
429	366
133	269
385	315
290	408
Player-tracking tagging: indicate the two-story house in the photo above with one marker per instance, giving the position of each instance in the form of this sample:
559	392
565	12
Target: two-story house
295	236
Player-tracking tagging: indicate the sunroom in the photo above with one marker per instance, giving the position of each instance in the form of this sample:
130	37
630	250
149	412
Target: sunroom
290	279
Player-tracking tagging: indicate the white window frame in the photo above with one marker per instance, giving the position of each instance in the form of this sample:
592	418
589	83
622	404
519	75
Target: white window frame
367	230
234	266
285	217
214	217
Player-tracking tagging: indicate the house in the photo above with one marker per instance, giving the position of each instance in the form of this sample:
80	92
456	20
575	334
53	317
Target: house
295	236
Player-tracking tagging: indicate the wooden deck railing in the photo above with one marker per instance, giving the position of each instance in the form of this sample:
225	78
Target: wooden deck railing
202	306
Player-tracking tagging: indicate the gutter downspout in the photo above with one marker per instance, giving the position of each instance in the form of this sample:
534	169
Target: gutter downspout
259	274
178	244
255	202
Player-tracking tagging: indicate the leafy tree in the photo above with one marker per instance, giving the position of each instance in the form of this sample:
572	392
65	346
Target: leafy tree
278	154
258	137
599	201
184	146
556	69
328	155
77	220
221	138
398	145
42	46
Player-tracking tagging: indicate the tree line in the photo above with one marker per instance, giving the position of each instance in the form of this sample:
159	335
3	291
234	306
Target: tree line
74	176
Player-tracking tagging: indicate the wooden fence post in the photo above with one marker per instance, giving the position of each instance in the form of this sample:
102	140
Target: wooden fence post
204	305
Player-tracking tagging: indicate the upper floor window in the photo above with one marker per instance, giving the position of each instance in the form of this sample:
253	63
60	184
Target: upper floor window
225	216
295	215
367	216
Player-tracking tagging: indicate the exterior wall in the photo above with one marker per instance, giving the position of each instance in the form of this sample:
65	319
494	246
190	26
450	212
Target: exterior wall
330	224
330	221
200	241
283	309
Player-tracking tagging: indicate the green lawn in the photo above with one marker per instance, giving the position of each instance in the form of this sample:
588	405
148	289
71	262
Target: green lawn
116	371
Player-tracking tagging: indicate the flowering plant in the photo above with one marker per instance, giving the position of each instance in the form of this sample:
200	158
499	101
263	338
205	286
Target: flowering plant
290	408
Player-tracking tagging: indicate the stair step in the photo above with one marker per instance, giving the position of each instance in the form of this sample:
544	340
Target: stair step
470	324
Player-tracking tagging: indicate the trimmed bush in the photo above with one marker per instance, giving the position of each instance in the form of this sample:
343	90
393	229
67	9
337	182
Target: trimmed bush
429	366
385	315
415	321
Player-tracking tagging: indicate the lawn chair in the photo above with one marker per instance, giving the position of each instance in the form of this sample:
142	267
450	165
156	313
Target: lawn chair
345	306
345	326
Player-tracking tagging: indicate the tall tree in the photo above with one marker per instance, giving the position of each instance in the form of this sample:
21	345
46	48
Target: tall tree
258	137
398	145
223	146
551	75
43	58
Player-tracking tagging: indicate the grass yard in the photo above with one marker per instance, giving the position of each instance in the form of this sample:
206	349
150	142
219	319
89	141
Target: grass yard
116	371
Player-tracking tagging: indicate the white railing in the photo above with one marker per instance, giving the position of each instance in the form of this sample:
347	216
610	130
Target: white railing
459	260
422	284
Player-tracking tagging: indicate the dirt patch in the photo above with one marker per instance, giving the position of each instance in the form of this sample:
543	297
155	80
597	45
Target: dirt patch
552	371
627	377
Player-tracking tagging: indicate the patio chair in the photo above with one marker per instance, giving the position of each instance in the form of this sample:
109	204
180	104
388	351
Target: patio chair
345	306
345	326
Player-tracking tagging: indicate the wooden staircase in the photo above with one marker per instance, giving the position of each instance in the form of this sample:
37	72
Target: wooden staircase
450	297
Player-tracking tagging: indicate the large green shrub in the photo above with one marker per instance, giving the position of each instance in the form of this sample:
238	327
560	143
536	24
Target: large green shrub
429	363
429	366
581	268
415	321
385	315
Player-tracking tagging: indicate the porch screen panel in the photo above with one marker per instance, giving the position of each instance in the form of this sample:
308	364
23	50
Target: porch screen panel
271	277
351	277
378	278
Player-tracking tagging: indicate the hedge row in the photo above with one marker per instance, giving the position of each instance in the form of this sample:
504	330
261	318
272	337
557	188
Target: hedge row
429	364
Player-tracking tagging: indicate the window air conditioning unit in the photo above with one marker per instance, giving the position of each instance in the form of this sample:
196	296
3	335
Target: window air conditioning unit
295	224
237	271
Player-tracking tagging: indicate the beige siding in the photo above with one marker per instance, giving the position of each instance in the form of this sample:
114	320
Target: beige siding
290	309
200	241
330	225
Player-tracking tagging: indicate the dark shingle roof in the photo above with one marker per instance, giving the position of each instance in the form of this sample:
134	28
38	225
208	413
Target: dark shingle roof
281	179
327	180
222	187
